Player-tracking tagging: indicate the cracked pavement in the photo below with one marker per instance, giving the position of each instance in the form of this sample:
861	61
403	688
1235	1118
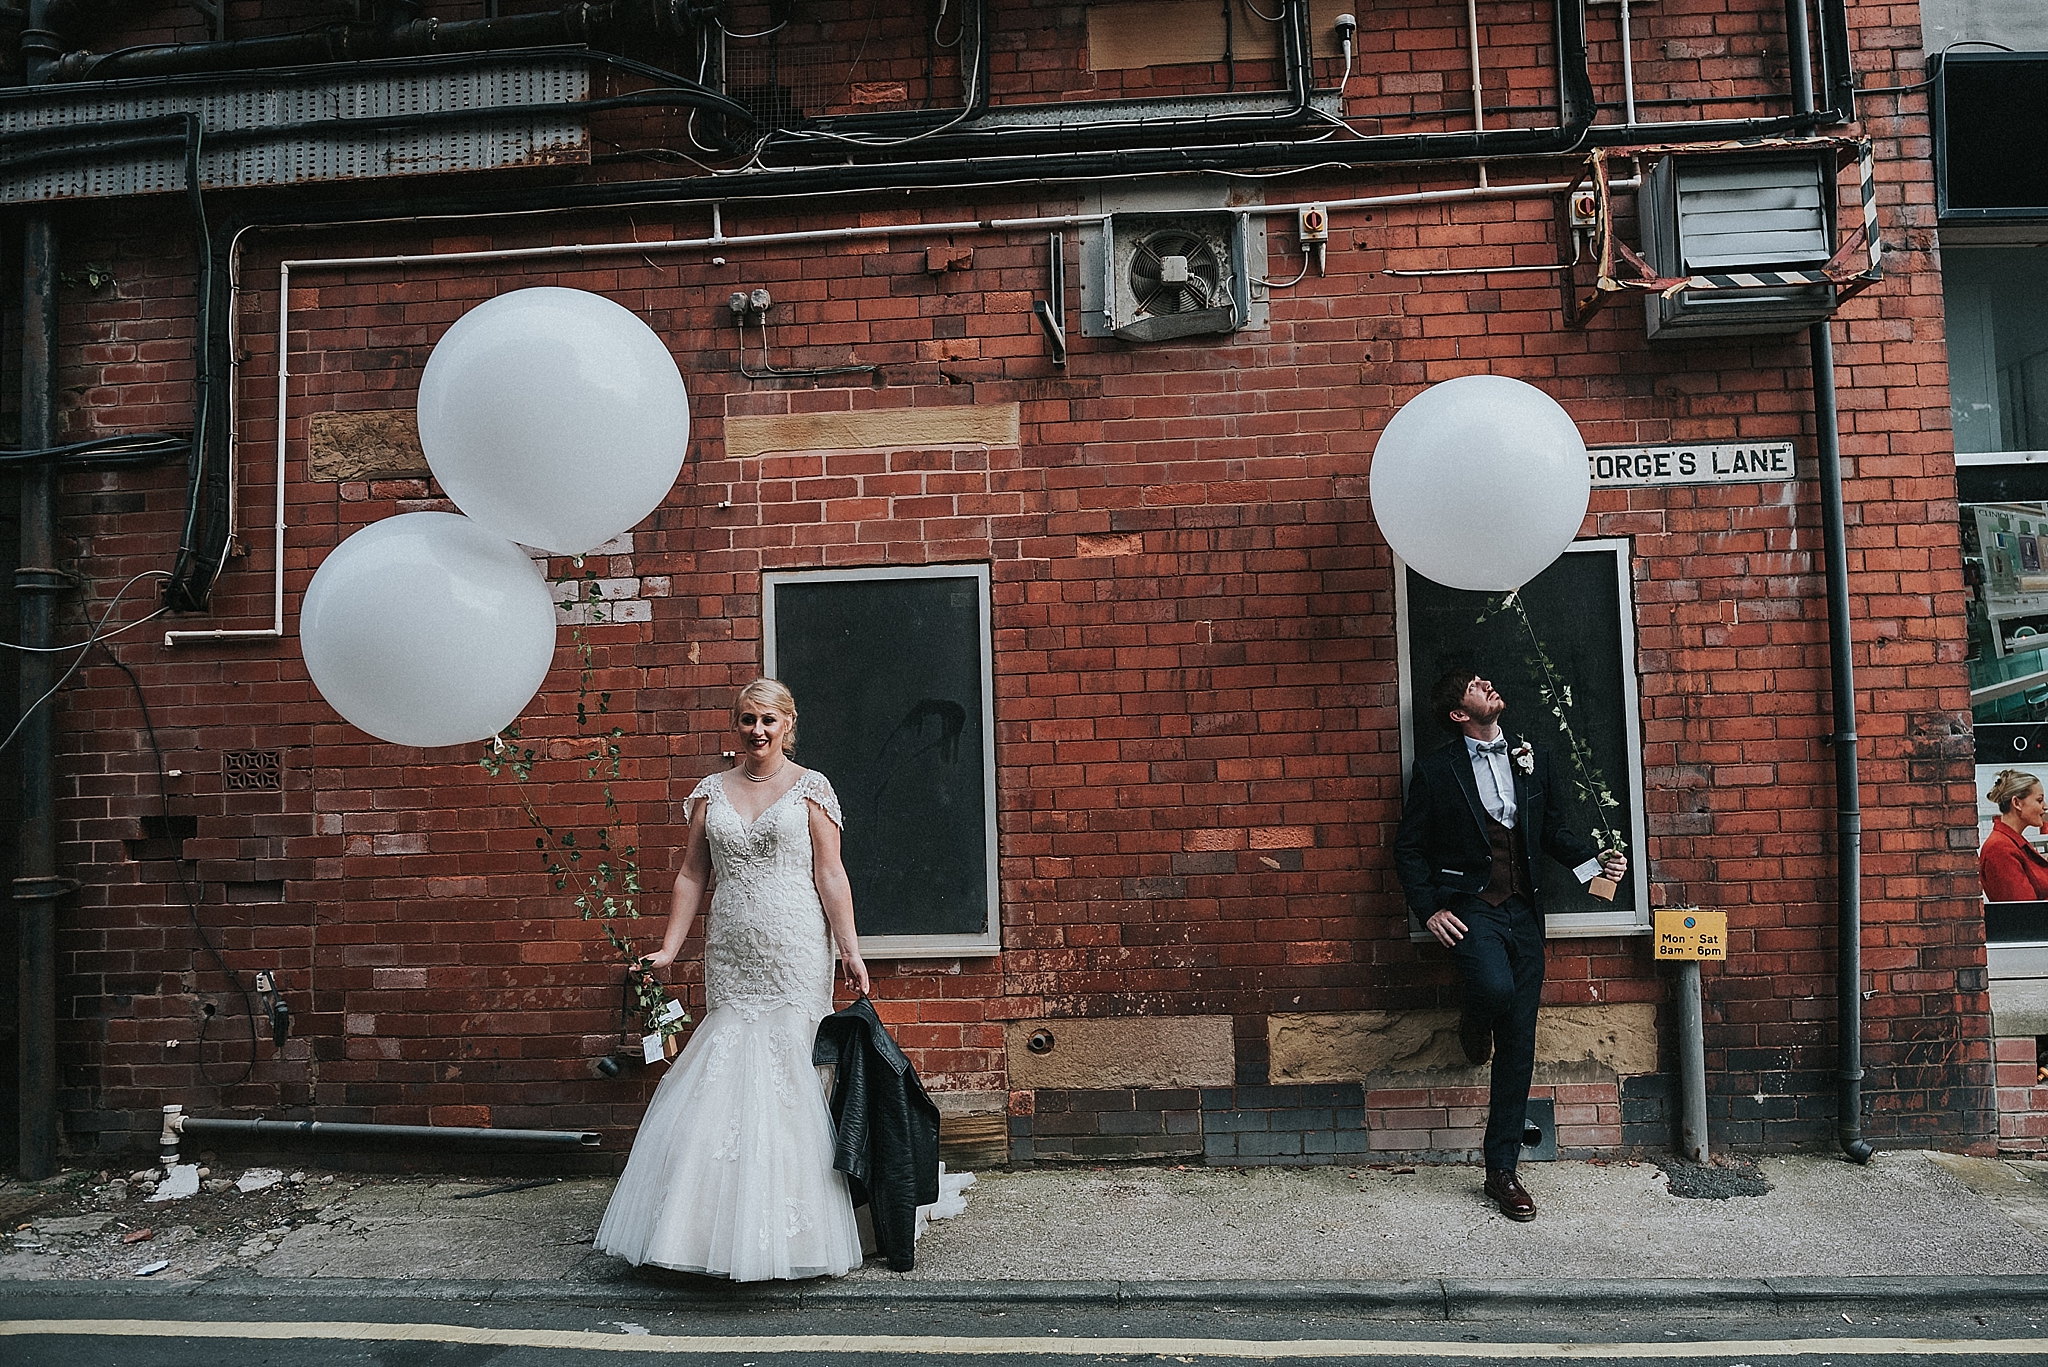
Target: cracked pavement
1910	1213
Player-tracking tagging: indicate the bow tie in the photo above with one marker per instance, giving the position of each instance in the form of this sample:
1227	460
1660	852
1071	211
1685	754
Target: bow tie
1498	747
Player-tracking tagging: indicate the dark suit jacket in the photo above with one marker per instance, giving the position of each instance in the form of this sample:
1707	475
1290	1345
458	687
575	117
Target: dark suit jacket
1441	854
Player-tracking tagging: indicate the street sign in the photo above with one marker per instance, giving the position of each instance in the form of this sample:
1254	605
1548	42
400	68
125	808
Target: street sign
1723	463
1689	933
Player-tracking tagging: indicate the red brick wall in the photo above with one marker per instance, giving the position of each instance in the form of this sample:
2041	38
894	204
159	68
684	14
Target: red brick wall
1196	695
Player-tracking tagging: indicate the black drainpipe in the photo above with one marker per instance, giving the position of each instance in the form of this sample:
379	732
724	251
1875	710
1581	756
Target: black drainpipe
36	582
1820	342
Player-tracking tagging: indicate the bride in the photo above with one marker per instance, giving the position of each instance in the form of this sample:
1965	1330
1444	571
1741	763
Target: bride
731	1173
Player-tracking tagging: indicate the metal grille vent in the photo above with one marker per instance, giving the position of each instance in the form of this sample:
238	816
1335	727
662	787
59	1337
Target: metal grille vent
251	771
784	86
243	146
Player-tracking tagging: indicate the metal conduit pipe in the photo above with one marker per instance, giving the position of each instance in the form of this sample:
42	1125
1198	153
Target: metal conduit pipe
354	42
177	1124
1820	344
37	580
1848	804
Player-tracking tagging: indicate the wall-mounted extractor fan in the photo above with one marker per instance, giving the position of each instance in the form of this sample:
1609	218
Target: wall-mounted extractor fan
1175	275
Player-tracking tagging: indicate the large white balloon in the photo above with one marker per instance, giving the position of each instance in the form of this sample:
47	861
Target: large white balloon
1480	482
426	629
554	417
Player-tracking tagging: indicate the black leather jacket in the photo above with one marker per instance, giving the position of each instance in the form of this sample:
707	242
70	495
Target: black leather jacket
888	1129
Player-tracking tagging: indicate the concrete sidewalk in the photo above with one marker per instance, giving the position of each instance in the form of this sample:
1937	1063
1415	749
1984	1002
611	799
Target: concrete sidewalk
1118	1232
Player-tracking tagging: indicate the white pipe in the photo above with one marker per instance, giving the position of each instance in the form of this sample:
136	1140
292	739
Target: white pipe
1628	71
1472	29
1612	185
718	238
275	631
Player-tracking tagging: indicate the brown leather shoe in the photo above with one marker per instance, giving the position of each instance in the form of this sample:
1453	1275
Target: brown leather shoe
1476	1037
1507	1193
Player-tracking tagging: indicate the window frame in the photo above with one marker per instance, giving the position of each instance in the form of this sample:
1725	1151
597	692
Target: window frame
1571	925
947	945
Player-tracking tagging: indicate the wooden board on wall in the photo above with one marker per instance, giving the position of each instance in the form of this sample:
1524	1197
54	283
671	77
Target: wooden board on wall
1183	33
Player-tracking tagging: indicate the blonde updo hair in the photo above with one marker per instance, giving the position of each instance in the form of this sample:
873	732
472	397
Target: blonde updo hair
768	695
2009	786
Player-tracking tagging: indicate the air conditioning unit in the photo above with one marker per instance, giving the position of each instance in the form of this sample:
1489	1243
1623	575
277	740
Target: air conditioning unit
1174	275
1754	228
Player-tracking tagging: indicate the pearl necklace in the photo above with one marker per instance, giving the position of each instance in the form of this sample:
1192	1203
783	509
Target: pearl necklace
750	777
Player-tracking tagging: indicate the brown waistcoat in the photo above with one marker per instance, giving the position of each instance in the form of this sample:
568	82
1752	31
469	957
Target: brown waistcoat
1510	862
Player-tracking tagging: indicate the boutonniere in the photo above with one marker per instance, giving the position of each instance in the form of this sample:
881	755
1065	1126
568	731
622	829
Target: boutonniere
1524	756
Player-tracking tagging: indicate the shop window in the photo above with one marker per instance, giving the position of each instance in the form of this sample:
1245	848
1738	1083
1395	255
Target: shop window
1993	204
1997	304
891	669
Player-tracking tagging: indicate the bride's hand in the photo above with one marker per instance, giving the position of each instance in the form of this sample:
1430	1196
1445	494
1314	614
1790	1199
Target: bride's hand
856	969
660	958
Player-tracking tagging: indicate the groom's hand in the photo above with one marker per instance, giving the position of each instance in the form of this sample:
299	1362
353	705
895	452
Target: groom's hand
1447	928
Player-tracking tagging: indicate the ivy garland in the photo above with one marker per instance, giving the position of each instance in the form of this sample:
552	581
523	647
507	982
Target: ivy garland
607	882
1587	780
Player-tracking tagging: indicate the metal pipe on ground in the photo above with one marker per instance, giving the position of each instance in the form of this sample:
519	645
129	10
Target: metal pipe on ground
177	1124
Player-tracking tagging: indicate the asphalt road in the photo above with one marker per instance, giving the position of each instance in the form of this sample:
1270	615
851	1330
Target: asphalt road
123	1330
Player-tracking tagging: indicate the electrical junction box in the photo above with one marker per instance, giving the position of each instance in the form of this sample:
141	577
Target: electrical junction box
1750	226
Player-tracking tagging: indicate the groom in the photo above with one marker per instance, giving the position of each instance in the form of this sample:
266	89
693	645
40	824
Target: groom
1477	810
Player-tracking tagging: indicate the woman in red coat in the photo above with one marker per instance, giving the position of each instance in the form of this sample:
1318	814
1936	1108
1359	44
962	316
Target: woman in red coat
2011	869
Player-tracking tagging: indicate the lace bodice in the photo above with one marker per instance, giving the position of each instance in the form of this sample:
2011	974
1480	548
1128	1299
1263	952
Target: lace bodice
766	942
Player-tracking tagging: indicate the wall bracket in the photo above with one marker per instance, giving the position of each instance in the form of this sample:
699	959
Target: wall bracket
1052	313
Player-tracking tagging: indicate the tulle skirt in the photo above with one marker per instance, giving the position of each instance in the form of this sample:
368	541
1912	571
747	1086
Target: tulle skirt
731	1174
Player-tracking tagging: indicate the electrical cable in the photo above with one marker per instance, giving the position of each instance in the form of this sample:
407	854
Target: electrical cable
1306	261
769	372
128	449
959	27
83	650
191	895
1934	79
90	641
720	23
970	70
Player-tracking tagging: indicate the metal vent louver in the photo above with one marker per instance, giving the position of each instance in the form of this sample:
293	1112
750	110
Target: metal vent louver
1757	227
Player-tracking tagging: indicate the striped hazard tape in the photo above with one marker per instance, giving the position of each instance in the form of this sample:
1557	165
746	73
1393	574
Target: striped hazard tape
1835	272
1841	271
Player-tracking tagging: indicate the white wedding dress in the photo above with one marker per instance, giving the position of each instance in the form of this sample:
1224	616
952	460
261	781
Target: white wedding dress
731	1173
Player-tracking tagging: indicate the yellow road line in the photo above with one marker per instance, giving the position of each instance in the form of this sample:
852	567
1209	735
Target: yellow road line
942	1345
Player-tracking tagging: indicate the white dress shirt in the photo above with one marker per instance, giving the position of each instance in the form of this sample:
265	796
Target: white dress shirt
1493	773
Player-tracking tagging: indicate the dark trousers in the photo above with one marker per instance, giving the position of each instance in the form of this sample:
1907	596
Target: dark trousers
1501	962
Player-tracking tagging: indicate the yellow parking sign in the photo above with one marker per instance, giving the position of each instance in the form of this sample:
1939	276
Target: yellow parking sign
1689	933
